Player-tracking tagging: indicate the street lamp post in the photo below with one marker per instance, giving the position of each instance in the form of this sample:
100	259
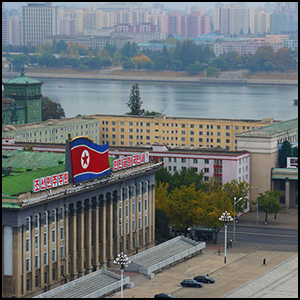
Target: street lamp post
234	204
226	217
123	261
252	187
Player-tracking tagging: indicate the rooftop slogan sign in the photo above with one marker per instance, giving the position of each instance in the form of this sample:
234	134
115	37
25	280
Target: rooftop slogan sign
130	161
52	181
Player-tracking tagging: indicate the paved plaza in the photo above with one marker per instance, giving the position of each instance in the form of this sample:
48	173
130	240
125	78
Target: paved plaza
243	276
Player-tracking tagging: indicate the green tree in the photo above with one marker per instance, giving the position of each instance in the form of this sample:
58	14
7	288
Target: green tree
253	66
268	66
160	63
213	203
162	223
135	102
237	189
210	71
269	203
61	47
194	69
177	65
129	50
18	61
128	65
188	53
284	59
285	152
51	109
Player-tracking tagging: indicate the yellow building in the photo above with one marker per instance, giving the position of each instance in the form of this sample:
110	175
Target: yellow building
125	130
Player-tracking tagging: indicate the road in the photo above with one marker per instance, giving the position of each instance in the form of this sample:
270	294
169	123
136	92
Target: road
270	239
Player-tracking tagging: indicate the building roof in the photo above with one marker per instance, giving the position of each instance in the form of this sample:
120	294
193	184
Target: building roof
271	130
14	185
29	159
22	80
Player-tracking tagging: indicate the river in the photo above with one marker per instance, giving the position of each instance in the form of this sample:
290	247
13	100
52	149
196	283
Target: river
86	97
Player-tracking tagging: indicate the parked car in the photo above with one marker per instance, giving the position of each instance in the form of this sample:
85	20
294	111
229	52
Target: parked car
204	279
164	295
191	283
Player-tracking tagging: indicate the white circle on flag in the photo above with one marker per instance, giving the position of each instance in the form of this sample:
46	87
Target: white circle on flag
85	159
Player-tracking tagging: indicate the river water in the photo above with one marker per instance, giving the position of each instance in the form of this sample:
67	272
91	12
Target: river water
86	97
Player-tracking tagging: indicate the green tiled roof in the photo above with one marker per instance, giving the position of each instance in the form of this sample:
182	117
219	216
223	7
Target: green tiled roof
22	80
271	130
14	185
28	159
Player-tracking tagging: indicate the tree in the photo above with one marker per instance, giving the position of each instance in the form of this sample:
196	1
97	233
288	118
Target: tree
51	109
61	47
213	203
183	207
135	102
284	59
268	66
129	50
284	153
141	61
18	61
160	63
177	65
210	71
162	223
253	66
269	203
237	189
128	65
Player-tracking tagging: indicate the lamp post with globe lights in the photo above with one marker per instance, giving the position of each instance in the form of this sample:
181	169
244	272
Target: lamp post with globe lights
252	187
226	217
234	217
123	261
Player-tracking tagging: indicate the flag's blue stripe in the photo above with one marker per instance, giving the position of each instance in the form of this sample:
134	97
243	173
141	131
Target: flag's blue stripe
88	143
90	175
93	149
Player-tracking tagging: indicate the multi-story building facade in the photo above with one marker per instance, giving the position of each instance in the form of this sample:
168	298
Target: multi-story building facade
90	41
263	145
261	22
125	130
26	106
140	37
39	19
242	48
234	20
222	165
12	33
279	23
54	131
55	236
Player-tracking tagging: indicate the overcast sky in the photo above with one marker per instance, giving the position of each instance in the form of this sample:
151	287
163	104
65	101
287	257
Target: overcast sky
172	5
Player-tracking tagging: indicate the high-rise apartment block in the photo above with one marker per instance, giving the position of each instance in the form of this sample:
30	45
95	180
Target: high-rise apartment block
12	31
40	19
261	22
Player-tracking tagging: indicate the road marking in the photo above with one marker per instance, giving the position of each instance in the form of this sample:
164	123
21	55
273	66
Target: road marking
275	235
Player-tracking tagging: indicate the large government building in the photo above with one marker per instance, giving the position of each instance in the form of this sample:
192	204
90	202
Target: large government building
57	231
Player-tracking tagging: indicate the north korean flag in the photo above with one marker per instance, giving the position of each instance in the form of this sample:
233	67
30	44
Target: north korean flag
88	159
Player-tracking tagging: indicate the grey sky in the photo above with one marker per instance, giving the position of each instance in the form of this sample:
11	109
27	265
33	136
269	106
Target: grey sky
172	5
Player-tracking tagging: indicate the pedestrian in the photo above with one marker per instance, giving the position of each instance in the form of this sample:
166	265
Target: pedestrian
207	275
230	243
264	262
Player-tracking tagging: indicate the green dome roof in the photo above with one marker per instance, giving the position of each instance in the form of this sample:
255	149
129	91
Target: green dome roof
22	80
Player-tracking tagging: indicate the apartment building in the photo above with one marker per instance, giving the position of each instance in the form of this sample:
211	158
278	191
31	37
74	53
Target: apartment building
261	22
53	131
125	130
40	19
242	48
12	31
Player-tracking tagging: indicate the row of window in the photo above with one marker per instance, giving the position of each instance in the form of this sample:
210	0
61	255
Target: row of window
195	160
36	258
36	278
236	127
148	138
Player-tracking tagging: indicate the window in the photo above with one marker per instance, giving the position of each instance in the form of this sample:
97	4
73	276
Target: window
206	170
218	126
227	127
200	126
195	160
36	261
27	245
140	206
140	223
61	251
133	225
236	127
206	161
36	240
183	160
191	132
182	131
206	178
45	238
61	270
45	258
53	255
45	277
127	210
53	236
61	233
27	285
53	274
215	170
227	141
182	125
27	264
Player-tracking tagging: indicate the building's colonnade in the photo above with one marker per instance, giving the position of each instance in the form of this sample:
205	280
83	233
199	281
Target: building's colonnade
59	243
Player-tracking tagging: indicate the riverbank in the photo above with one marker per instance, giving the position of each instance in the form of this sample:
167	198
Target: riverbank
168	77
